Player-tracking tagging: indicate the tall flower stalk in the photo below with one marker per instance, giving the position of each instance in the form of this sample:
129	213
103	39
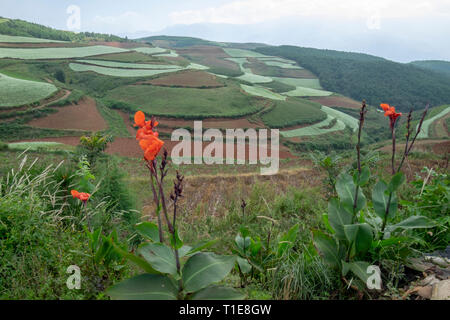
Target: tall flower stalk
393	115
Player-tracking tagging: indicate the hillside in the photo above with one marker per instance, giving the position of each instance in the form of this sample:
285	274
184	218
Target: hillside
375	79
15	27
439	66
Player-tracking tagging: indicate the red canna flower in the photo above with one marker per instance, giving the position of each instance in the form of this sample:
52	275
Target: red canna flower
148	139
83	196
391	113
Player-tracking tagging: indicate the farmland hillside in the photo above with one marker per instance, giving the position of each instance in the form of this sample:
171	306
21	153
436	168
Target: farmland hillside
361	76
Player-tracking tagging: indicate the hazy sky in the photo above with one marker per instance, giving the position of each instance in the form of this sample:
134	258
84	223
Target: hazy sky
401	30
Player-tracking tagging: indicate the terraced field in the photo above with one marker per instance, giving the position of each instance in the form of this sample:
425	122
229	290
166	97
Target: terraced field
186	102
241	53
17	92
151	51
262	92
296	82
341	121
428	123
16	39
316	129
293	112
115	72
125	65
56	53
308	92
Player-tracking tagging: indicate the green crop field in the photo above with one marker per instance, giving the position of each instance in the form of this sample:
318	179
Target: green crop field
254	78
129	56
39	145
241	53
186	102
427	124
308	92
56	53
125	65
17	92
171	54
348	120
16	39
297	82
114	72
281	64
293	112
151	51
262	92
316	129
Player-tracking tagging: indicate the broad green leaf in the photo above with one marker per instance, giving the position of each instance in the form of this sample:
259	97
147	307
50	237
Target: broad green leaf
244	266
346	188
380	199
326	222
365	176
200	246
144	287
218	293
175	241
364	238
148	230
351	231
205	268
184	250
338	217
136	260
242	244
396	182
327	248
287	240
360	236
358	268
413	222
390	242
160	256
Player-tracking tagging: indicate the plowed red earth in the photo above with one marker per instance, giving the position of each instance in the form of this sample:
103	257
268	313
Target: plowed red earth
128	147
189	79
83	116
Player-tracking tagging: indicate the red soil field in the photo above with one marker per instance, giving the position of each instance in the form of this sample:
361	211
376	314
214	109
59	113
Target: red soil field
83	116
209	56
188	79
337	101
167	124
128	147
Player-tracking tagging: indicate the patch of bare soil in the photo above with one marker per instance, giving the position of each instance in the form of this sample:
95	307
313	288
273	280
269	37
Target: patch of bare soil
83	116
188	79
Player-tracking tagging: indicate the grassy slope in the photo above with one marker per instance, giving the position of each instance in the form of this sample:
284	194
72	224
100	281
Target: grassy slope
185	102
292	112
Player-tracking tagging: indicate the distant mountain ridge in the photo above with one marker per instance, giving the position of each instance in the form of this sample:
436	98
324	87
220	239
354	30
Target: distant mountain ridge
362	76
439	66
